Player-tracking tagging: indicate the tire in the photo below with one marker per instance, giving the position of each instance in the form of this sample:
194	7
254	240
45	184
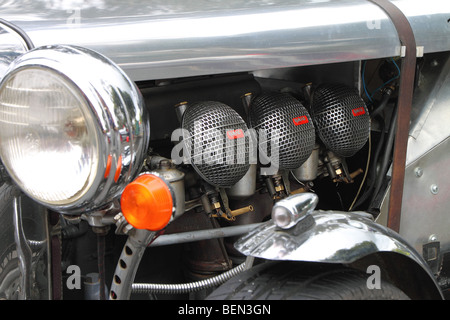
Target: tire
303	281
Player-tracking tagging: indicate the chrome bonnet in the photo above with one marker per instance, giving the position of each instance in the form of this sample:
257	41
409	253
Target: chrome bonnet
167	39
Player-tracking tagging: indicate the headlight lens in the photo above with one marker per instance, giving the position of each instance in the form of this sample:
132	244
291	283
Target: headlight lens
45	128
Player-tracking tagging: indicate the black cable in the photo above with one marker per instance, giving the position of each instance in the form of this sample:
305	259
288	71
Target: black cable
384	101
20	32
373	168
372	175
387	154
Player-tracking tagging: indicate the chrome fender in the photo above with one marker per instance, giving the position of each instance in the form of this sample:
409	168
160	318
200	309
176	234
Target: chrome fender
326	236
339	237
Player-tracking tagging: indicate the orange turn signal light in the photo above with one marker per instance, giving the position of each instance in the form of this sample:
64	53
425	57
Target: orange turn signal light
147	203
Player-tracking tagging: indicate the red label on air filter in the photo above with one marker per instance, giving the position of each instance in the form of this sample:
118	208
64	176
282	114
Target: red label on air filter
235	134
300	120
358	111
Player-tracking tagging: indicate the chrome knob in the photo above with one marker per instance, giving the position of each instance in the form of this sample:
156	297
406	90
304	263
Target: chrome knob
287	212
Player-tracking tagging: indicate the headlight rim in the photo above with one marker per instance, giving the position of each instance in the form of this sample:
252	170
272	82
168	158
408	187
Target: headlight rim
106	118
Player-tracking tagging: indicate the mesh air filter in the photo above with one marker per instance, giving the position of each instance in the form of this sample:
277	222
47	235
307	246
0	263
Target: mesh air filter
216	140
278	117
341	118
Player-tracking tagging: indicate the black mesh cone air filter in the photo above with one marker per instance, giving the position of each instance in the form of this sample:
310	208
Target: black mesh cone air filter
216	140
341	118
285	120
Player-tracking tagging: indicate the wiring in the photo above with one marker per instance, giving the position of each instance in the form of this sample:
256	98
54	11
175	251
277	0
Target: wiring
371	178
389	81
365	173
377	111
366	91
384	165
364	82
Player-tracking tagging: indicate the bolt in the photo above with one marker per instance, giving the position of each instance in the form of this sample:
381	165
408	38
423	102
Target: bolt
434	189
165	164
127	228
418	171
432	238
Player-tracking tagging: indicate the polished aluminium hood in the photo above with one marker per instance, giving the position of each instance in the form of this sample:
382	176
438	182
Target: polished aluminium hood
171	38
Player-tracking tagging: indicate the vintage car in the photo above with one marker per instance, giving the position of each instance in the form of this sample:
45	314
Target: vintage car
224	150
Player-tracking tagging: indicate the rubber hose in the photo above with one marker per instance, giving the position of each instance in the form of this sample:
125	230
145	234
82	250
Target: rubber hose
383	103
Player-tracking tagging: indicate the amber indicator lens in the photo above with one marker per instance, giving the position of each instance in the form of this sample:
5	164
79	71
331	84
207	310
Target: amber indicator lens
147	203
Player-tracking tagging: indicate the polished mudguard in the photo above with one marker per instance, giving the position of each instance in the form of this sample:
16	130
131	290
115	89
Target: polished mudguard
325	236
334	237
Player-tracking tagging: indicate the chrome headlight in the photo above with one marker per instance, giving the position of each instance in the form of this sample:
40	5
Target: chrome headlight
73	127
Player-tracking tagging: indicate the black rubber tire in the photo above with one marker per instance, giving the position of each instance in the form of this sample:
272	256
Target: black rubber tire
303	281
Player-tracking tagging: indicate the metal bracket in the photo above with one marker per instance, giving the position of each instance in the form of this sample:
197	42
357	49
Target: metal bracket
432	255
419	51
24	253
